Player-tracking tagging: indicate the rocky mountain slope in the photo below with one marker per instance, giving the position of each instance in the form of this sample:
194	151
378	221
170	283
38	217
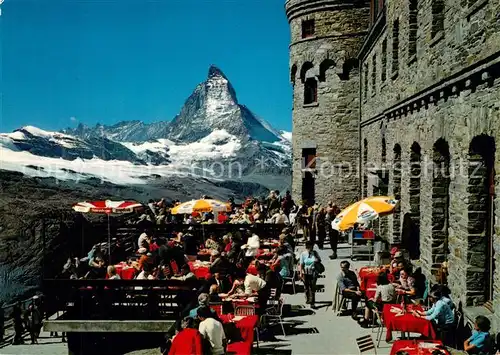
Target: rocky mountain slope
214	146
213	137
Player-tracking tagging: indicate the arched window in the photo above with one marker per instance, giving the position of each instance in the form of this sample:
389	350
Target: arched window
323	67
396	191
440	202
481	210
303	71
415	174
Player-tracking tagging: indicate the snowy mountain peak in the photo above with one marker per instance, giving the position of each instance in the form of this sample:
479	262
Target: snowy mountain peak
215	71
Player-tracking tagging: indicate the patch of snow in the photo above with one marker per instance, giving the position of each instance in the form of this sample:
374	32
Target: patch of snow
114	171
286	135
16	135
217	145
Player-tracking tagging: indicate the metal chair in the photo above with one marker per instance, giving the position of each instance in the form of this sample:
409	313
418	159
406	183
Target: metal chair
380	330
365	344
339	301
292	279
244	311
276	313
247	311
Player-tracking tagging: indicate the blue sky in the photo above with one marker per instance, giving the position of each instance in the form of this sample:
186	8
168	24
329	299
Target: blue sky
70	61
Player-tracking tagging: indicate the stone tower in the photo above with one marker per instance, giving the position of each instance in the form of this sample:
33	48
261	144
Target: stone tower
326	37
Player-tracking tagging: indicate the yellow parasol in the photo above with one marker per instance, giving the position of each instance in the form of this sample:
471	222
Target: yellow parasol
364	211
201	206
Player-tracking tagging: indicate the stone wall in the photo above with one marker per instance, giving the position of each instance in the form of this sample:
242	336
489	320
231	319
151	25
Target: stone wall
330	125
448	92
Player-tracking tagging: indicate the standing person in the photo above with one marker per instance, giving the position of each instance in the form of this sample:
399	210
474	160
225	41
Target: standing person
320	224
333	233
308	273
35	322
190	244
311	218
302	220
212	330
287	203
17	315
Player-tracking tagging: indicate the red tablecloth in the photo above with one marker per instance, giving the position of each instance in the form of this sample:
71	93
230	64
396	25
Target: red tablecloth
407	323
368	275
252	269
264	254
414	347
370	290
199	270
124	271
246	327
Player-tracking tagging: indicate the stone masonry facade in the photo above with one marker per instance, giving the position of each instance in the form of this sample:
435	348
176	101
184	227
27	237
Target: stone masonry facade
330	124
428	106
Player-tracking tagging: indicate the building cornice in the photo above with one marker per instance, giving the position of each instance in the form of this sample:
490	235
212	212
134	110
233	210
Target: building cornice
482	72
297	8
333	37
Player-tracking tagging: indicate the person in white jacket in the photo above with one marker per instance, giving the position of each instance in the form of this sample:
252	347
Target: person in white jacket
279	218
252	246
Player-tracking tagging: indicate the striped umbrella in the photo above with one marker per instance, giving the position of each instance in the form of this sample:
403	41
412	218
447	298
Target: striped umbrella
364	211
106	207
201	206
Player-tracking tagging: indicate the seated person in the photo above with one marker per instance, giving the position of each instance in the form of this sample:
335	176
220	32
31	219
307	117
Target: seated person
186	274
406	285
284	258
212	243
480	342
146	273
385	294
440	312
214	294
203	301
188	340
97	267
212	330
144	240
349	286
221	282
112	275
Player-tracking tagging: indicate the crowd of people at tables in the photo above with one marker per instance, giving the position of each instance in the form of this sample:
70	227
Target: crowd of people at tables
396	284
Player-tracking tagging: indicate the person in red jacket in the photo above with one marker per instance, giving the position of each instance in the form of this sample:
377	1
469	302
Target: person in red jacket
188	340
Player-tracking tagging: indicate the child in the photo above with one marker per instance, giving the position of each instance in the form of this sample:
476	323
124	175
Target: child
480	341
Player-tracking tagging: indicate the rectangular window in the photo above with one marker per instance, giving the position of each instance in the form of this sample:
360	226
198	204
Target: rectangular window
384	60
308	28
365	83
395	47
437	17
374	74
310	91
413	22
309	158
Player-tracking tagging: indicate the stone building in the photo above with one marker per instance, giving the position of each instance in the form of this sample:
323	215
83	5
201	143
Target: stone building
326	38
429	128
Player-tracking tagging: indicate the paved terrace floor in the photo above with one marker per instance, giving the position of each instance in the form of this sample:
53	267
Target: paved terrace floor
308	331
